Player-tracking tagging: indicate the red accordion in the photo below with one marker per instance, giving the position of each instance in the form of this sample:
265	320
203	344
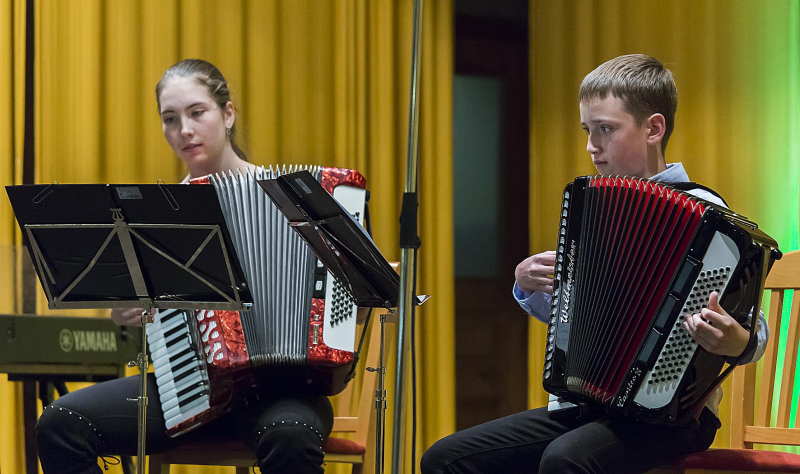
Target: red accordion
302	324
633	257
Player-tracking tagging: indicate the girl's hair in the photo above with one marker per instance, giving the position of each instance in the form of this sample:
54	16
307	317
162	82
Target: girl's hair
208	75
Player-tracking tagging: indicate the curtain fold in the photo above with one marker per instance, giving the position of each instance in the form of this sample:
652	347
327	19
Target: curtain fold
12	106
12	135
736	67
314	82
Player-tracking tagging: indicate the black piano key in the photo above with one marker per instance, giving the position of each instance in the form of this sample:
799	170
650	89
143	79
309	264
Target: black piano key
196	396
178	355
176	338
186	390
182	376
184	364
169	315
174	330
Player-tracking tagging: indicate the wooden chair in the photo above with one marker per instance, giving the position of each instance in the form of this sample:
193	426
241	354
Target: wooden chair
751	411
231	452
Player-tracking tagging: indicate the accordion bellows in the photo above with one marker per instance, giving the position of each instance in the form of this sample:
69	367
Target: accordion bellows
633	257
302	323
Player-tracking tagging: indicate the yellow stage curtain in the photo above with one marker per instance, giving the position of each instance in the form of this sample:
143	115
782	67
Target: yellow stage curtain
735	64
314	82
12	132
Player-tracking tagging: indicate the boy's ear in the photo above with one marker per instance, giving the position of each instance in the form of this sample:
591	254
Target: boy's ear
656	126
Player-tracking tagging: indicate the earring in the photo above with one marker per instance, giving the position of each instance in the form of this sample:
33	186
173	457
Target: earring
229	131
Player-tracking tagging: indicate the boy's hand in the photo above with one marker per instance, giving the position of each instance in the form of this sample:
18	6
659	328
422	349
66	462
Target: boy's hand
127	316
715	330
535	273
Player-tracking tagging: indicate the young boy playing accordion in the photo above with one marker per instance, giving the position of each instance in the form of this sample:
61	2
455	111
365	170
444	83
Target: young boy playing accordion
627	108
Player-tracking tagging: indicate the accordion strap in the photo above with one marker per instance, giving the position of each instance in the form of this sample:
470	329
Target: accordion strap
691	186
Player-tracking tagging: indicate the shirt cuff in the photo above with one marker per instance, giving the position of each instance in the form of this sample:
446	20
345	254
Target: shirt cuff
536	304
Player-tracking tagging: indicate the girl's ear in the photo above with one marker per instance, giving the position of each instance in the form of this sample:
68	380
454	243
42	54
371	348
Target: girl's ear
230	115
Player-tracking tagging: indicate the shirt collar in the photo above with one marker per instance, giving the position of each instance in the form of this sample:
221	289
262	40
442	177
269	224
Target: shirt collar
673	174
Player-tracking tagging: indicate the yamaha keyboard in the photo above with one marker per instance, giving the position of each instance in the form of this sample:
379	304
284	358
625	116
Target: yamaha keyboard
70	348
50	350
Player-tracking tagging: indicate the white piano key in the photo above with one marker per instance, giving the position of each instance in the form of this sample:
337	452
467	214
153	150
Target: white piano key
190	411
173	403
157	352
165	358
171	386
172	406
161	320
172	324
165	368
197	364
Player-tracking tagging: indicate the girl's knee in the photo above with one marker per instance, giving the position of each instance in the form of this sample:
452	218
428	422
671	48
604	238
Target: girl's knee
59	422
66	438
281	447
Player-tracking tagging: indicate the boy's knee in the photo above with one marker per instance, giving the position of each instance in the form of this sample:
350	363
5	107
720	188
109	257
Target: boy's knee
429	464
560	461
435	459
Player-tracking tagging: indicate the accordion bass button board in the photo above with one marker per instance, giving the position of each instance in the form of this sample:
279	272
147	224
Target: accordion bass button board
633	257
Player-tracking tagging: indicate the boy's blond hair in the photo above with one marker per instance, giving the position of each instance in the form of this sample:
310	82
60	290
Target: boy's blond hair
641	83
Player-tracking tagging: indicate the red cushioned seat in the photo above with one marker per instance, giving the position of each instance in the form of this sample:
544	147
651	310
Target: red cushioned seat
334	445
743	460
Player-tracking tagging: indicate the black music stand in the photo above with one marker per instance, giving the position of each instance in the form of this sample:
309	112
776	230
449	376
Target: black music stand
340	242
130	246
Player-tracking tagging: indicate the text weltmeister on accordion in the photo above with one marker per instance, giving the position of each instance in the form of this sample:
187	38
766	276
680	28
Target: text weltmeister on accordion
633	257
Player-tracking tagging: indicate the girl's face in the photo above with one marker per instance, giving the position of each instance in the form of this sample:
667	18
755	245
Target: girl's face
194	125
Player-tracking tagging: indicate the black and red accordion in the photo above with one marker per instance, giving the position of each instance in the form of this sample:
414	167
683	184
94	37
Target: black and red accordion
633	257
301	327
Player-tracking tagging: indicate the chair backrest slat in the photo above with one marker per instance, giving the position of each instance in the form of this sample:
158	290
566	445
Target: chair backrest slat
794	338
789	365
770	358
742	406
785	275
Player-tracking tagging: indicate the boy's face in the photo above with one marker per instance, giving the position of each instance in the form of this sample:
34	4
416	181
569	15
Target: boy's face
617	144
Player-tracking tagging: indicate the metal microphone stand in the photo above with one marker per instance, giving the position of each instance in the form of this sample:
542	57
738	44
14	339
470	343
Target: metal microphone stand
409	242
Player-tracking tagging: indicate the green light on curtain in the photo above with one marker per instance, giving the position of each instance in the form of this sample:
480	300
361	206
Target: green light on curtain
786	210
